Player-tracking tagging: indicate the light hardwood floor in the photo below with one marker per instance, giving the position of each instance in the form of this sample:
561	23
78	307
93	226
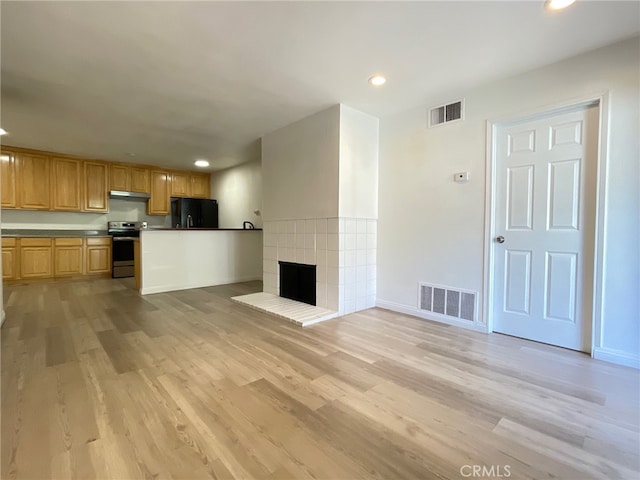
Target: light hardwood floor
98	382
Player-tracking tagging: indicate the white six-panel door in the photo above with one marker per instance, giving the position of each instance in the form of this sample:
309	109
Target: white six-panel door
544	228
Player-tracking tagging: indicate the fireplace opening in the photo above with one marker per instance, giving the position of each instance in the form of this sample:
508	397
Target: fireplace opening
298	282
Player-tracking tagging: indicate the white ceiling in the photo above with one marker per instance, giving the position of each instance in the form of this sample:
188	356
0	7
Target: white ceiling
176	81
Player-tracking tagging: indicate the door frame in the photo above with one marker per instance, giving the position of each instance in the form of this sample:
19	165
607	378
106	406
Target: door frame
601	100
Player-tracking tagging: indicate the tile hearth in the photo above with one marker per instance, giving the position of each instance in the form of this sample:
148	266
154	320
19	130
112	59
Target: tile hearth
296	312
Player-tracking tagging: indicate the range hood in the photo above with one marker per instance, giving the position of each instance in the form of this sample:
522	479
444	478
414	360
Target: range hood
129	195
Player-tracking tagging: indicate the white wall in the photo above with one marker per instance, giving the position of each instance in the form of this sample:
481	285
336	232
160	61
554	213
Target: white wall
239	192
358	164
198	258
126	210
300	168
431	229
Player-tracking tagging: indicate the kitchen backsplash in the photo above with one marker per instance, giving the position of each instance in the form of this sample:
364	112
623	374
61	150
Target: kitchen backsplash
118	210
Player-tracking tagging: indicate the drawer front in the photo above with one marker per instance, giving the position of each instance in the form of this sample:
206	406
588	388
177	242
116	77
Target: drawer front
35	242
68	242
98	240
9	242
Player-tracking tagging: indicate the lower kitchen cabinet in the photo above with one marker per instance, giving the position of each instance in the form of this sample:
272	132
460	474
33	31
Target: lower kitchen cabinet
36	258
68	256
98	252
9	259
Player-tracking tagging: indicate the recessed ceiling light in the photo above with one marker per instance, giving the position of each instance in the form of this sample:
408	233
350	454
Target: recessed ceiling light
377	80
3	131
131	154
558	4
201	163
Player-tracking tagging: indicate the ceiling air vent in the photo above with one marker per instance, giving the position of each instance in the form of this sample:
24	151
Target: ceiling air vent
446	113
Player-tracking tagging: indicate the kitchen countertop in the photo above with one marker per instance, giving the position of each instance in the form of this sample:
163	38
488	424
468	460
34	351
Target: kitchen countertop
15	232
168	229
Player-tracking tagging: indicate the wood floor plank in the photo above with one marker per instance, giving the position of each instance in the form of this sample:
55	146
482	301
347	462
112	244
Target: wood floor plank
100	383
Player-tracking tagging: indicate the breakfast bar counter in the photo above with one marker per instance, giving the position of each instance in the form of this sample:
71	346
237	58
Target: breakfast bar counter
178	259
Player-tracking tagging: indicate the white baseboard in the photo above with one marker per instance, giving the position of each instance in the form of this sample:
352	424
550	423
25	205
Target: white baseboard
413	311
174	288
616	356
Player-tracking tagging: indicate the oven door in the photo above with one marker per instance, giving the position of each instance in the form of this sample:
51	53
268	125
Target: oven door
122	254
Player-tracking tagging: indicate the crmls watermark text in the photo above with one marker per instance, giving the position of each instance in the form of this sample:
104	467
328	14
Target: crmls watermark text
485	471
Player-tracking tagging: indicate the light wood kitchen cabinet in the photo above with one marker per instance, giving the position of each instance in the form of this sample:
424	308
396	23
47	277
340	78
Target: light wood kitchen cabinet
45	257
36	258
96	193
68	255
200	186
8	175
36	180
33	181
9	259
180	184
119	177
140	179
98	255
160	192
66	176
128	178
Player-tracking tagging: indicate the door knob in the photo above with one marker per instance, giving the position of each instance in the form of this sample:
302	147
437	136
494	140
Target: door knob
500	239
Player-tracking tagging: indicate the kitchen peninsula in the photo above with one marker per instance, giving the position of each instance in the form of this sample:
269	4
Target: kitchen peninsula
178	259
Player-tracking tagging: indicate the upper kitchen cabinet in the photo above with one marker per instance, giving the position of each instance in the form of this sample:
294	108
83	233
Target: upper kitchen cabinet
96	193
129	178
140	179
187	184
119	177
200	185
160	193
66	176
8	175
180	184
33	181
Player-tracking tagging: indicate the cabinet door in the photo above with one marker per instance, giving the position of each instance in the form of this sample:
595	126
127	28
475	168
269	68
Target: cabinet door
9	263
66	180
95	187
10	259
119	177
68	256
98	255
33	175
8	175
200	186
140	179
180	184
36	258
160	188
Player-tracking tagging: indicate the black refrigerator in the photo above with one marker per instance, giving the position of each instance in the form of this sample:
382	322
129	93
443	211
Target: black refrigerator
194	213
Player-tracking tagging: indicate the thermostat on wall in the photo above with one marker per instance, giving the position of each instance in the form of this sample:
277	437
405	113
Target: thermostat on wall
461	177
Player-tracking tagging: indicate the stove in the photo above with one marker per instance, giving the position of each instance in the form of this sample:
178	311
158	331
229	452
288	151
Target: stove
122	236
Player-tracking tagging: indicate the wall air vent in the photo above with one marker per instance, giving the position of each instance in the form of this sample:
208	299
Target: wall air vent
447	301
446	113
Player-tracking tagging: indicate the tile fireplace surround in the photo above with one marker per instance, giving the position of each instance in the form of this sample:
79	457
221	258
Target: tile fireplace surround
344	252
